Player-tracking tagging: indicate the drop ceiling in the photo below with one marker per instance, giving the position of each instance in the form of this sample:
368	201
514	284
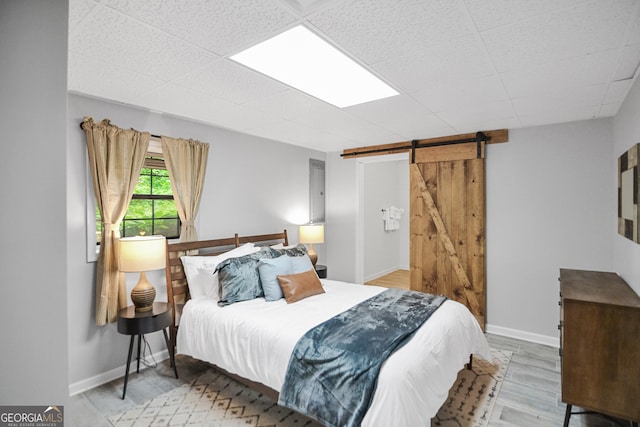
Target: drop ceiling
459	65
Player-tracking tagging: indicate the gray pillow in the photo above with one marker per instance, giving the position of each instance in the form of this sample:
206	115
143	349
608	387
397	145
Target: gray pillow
299	250
239	279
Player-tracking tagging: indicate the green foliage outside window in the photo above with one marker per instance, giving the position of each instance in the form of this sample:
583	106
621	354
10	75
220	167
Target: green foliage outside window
152	209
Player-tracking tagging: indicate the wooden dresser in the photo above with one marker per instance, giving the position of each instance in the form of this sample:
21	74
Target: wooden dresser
599	344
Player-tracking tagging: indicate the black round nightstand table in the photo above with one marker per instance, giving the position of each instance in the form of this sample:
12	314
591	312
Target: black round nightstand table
321	270
134	323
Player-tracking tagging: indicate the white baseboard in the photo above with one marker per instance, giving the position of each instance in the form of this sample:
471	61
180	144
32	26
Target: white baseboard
113	374
383	272
523	335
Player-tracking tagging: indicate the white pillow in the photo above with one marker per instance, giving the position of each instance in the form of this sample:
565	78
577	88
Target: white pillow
282	246
199	271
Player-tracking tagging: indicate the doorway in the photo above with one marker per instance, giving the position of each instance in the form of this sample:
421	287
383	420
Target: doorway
382	252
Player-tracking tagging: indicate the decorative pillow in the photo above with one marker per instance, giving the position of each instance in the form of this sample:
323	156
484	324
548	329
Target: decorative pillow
300	264
202	281
282	246
300	285
269	269
298	250
239	277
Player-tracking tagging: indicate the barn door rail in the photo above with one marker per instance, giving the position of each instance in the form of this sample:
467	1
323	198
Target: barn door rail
411	146
478	139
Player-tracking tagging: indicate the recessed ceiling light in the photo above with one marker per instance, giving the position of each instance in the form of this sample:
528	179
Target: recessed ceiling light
301	59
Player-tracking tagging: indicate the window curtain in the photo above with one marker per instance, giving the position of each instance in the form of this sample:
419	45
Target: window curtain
186	162
116	157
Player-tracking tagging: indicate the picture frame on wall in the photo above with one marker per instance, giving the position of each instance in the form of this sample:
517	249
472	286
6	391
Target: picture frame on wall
628	186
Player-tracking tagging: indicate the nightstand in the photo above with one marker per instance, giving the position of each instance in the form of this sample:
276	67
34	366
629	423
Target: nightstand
131	322
322	271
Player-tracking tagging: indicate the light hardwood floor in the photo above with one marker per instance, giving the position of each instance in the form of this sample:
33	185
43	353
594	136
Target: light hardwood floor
395	279
530	394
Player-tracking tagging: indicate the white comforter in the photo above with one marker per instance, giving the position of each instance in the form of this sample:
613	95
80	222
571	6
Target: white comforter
254	339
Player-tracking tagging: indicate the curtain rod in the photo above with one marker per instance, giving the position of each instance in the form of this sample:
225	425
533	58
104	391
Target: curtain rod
152	135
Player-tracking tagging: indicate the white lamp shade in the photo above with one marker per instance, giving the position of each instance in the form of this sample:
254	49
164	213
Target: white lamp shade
312	233
142	253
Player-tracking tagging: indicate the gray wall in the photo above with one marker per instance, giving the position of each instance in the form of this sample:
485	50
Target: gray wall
550	204
252	186
33	106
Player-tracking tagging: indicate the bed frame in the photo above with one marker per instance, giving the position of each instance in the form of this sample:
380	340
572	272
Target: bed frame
176	280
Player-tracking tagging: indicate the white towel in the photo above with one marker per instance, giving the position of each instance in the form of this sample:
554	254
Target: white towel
391	218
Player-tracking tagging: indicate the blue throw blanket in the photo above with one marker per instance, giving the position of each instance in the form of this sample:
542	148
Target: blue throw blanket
333	371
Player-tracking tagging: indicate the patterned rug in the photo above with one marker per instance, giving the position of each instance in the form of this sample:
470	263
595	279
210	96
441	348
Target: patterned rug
474	394
215	400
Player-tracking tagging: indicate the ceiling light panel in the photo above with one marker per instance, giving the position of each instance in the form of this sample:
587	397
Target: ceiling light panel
301	59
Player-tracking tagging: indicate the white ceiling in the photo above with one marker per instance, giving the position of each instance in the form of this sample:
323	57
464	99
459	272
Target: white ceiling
459	65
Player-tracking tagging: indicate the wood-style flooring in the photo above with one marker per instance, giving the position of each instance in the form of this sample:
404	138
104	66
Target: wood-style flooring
395	279
530	394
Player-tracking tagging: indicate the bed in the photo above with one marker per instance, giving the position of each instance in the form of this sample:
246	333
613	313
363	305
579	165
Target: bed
252	340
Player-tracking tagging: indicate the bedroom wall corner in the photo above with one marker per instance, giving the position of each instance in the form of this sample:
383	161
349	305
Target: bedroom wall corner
626	133
33	108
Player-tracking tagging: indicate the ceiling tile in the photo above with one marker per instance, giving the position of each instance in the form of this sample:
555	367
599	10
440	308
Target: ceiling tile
220	26
403	116
580	30
230	81
629	61
634	35
183	102
103	80
109	36
494	13
477	112
440	96
295	106
305	7
78	10
458	59
392	28
617	91
608	110
561	77
533	111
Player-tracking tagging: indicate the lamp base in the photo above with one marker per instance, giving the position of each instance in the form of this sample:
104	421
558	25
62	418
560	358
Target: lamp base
313	256
143	294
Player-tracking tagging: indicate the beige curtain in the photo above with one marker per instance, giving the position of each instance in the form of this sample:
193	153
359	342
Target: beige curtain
116	157
186	162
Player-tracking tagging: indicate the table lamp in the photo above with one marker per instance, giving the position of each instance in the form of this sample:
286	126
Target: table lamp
142	254
312	233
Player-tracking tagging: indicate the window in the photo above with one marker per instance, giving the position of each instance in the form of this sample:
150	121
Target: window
152	209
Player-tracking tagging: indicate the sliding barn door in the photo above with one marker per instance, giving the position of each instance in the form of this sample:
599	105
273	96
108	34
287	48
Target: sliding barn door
448	224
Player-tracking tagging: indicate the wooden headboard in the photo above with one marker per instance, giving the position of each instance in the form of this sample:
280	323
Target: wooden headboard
176	280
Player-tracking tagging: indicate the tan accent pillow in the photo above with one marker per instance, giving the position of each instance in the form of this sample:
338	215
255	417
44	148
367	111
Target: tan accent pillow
300	285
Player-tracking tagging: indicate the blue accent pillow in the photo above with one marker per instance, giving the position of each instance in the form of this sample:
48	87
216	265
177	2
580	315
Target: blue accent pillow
300	264
269	269
239	279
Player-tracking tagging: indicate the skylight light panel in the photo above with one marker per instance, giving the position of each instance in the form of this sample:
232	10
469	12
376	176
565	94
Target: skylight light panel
301	59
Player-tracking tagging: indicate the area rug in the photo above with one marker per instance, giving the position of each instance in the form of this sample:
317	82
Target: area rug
473	396
215	400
